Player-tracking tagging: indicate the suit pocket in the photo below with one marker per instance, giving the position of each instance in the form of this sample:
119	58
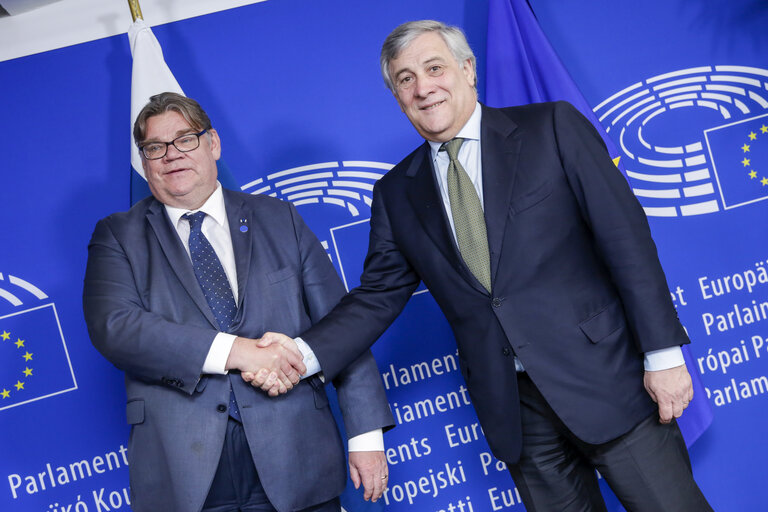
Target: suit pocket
134	411
280	274
604	323
530	199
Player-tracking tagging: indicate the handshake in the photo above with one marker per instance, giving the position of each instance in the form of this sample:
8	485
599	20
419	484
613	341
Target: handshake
272	362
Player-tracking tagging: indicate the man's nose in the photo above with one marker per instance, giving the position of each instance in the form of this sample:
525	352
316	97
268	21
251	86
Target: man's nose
423	86
171	153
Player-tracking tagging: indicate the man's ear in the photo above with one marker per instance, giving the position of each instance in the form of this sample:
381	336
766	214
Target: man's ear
215	143
469	72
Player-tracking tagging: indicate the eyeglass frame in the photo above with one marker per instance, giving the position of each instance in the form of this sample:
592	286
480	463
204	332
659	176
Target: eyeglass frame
173	142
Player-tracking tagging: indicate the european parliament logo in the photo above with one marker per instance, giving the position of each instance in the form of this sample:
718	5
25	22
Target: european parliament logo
34	361
693	140
334	199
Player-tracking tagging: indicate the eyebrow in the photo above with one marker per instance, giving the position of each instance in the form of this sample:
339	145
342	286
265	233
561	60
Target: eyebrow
178	134
436	58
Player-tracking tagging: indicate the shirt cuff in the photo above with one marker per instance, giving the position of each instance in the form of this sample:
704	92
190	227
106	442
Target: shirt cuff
663	359
216	360
372	441
310	361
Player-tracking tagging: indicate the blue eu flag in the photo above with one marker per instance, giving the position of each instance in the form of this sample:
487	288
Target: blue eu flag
34	363
739	155
524	68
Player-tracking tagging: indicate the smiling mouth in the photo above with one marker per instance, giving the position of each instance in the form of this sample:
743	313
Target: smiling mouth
433	106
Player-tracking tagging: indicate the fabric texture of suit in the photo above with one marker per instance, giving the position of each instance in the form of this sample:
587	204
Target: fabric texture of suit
147	314
577	290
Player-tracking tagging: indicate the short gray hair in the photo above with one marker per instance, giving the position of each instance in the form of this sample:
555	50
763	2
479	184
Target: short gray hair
403	35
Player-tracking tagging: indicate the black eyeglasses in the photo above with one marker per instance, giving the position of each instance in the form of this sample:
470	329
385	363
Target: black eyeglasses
184	143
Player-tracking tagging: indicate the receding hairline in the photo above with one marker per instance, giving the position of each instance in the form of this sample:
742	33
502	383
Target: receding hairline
405	34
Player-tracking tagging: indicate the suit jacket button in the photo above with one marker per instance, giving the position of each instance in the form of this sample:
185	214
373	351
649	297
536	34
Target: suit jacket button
221	408
505	351
496	302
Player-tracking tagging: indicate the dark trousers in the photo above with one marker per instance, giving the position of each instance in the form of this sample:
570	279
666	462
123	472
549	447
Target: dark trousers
647	468
236	486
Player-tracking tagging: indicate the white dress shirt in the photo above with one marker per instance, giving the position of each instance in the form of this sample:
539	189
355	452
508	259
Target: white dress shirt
216	229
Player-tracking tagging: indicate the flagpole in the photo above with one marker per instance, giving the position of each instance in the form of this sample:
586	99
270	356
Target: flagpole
135	9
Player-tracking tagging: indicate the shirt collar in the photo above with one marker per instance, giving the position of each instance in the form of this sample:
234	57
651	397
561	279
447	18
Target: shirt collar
471	130
213	207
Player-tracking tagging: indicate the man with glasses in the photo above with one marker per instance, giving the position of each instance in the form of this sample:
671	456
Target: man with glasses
177	289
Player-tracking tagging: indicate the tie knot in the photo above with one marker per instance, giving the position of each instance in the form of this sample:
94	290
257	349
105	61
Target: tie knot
452	147
195	220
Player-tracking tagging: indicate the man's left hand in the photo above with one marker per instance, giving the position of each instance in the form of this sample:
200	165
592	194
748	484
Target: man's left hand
370	469
672	389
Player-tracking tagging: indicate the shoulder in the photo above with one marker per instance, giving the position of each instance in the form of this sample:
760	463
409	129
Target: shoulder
531	113
256	202
132	219
271	212
407	166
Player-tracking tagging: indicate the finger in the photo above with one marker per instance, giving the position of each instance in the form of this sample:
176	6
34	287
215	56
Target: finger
286	382
378	488
296	361
256	379
266	340
354	476
665	413
368	485
269	382
263	376
277	389
292	347
677	409
292	363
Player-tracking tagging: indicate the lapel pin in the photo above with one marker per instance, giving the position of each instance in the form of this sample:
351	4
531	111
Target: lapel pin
243	227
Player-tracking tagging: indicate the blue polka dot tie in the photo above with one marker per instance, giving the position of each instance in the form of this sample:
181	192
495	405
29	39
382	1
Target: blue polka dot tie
213	281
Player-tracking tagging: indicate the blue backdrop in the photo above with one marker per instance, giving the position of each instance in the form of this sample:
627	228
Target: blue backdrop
293	88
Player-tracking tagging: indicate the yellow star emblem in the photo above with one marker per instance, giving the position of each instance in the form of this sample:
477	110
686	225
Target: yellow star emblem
764	181
19	385
27	371
5	335
19	342
27	356
745	148
5	393
752	174
764	129
752	136
745	162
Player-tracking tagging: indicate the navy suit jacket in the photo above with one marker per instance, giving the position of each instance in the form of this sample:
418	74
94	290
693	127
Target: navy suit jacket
147	314
578	293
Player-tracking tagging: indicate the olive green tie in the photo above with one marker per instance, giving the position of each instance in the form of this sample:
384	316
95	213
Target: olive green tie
468	218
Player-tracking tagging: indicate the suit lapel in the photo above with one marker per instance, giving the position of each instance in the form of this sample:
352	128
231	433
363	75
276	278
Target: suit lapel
425	198
500	148
177	257
241	226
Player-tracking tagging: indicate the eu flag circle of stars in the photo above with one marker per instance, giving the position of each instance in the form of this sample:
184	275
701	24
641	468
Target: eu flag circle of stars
747	162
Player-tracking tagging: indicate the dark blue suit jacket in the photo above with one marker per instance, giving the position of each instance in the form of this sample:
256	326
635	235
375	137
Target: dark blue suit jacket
147	315
577	289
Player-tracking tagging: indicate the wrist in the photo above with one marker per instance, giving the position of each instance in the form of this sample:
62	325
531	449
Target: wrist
234	360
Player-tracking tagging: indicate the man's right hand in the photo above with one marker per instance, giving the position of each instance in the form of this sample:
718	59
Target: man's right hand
274	366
